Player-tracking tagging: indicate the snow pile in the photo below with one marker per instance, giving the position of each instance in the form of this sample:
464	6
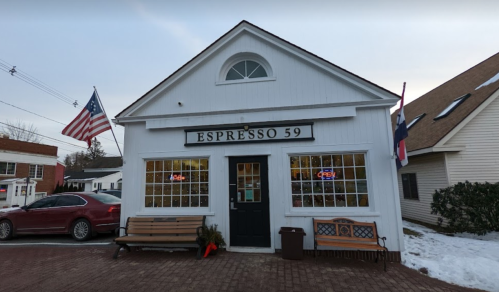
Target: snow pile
466	260
490	81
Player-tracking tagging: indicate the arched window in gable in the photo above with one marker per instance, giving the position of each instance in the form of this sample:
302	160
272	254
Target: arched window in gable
246	69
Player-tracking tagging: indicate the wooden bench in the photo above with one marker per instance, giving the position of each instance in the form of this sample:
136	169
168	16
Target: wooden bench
148	231
347	233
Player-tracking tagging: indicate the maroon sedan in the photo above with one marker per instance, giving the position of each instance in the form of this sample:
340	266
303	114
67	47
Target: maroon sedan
81	214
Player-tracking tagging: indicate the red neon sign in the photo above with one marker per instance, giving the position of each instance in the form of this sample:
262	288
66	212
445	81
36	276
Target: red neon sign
177	177
326	174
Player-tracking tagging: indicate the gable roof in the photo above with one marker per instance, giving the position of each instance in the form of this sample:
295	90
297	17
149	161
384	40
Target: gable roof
86	175
428	132
230	34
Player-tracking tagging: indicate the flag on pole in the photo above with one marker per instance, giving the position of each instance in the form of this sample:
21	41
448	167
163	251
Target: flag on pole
400	134
89	123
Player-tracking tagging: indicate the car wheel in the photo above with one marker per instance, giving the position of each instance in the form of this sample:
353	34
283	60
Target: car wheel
5	230
81	230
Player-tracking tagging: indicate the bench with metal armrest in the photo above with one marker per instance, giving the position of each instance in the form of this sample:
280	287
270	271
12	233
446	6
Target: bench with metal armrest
347	233
150	231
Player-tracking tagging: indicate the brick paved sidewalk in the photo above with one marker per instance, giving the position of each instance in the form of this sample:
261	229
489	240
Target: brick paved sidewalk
35	268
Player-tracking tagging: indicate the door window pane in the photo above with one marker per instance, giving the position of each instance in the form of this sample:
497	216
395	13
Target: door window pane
248	178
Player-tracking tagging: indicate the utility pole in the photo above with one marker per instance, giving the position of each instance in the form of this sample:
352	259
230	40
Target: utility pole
27	190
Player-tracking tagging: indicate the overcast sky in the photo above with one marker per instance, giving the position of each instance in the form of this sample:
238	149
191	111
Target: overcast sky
125	48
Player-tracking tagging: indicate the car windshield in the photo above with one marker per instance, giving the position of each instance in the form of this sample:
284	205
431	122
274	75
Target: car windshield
106	199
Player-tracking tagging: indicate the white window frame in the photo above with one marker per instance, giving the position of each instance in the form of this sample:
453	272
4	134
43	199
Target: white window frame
177	210
7	168
199	182
313	180
37	167
233	60
371	211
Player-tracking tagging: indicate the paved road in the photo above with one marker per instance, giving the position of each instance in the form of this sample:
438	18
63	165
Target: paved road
61	239
91	268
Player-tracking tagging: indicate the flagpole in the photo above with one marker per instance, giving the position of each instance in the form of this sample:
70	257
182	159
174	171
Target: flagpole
398	115
102	107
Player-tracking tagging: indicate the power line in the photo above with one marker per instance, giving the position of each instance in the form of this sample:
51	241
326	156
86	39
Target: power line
35	80
20	77
40	85
47	118
47	137
31	112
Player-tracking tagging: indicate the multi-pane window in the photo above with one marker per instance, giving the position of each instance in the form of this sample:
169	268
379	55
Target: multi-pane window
248	182
410	186
36	171
246	69
7	168
329	180
177	183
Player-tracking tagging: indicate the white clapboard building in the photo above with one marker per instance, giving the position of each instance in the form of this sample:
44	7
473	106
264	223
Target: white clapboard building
258	134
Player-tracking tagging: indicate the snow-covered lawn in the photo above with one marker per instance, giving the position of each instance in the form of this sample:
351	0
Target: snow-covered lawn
464	259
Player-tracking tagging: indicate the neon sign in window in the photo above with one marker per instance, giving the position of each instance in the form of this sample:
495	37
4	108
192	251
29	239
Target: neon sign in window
177	177
326	174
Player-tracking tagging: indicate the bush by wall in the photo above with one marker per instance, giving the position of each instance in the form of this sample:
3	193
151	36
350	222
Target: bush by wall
468	207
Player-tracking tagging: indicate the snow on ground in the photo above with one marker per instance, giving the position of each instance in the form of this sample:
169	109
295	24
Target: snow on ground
465	259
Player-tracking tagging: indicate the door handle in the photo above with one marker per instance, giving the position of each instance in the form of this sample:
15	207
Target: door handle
232	206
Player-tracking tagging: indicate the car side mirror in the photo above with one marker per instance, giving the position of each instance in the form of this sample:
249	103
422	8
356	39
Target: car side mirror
25	208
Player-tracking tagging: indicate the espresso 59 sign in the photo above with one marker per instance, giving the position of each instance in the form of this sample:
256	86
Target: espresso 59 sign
249	134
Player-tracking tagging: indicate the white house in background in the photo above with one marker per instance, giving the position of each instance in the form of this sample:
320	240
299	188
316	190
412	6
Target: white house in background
453	137
13	192
257	134
93	181
104	173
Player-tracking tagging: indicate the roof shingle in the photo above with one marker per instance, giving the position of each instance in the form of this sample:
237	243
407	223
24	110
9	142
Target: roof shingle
428	132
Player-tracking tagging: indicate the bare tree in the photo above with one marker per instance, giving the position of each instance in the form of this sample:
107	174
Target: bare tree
21	131
95	151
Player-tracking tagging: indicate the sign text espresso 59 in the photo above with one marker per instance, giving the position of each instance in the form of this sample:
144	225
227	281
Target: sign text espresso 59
281	133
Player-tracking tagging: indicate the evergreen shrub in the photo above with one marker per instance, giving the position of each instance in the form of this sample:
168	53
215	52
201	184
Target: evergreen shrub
468	207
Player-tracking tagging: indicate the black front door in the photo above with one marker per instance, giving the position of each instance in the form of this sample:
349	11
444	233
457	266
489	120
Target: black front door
249	201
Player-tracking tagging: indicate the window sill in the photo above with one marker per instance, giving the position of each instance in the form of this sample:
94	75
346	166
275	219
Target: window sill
250	80
332	213
174	211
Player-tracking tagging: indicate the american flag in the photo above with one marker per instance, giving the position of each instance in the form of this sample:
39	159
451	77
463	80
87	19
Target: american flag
400	134
89	123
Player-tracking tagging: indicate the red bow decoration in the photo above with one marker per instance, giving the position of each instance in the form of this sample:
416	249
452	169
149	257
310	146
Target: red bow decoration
210	247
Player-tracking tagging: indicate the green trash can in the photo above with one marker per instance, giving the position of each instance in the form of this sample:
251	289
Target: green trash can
292	243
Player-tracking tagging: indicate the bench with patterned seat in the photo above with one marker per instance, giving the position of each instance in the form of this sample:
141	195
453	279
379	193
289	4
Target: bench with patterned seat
151	231
347	233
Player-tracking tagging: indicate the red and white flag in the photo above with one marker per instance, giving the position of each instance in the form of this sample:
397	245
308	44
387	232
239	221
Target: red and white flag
400	134
89	123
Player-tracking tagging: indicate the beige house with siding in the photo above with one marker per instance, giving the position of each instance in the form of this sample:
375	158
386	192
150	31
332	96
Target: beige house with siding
453	137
